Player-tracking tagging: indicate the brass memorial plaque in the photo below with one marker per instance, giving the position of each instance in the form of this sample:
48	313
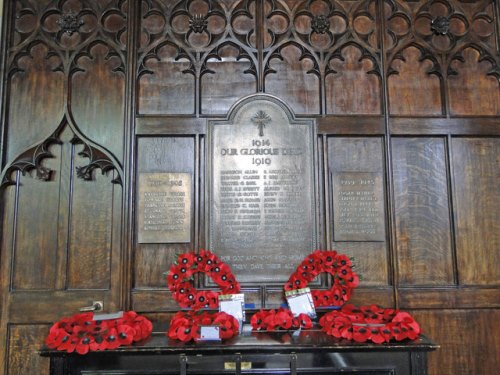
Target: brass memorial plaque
261	215
164	214
358	206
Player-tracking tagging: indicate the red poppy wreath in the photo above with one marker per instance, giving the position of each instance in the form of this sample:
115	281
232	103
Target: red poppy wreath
272	320
370	323
185	325
81	333
337	265
181	276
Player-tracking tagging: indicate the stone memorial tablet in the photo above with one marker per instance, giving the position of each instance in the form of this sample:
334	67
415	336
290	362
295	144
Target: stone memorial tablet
164	214
358	206
261	215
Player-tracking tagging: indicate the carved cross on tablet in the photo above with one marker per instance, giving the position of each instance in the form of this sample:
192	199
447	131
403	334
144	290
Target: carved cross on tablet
260	119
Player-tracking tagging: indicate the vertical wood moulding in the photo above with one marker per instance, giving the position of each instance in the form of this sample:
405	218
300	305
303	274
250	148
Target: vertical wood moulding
326	192
128	199
389	185
117	245
259	24
451	190
65	213
6	263
13	236
4	26
496	10
196	183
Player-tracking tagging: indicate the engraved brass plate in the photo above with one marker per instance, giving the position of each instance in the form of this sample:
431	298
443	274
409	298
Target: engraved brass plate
358	206
164	214
262	218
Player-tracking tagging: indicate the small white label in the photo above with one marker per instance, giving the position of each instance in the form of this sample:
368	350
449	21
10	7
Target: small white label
209	333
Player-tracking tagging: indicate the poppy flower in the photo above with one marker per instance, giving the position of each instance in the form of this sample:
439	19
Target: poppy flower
68	344
269	321
111	339
56	337
257	320
83	345
329	258
283	318
303	321
188	333
360	333
376	334
228	325
343	261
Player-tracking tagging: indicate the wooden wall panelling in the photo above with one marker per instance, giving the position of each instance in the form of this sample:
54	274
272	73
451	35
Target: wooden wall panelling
65	76
98	95
361	154
423	238
476	192
411	96
474	83
163	69
23	341
352	85
35	241
229	73
209	51
8	204
161	154
36	94
467	339
451	46
289	76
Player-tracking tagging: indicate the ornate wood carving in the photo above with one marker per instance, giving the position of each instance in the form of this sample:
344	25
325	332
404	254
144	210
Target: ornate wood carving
442	30
198	31
69	30
32	158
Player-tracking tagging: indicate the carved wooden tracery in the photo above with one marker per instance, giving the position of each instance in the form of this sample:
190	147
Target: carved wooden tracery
67	31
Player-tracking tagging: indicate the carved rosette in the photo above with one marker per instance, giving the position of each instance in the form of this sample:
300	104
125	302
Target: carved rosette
69	23
198	23
440	25
320	24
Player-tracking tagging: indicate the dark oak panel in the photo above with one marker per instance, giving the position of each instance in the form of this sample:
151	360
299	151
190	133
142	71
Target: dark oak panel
449	297
476	199
228	78
35	94
423	238
98	109
349	154
467	341
89	257
24	342
36	245
289	79
412	90
473	90
443	126
164	86
353	87
165	154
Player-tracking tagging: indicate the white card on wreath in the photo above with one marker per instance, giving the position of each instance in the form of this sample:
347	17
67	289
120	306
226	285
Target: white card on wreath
209	333
300	301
